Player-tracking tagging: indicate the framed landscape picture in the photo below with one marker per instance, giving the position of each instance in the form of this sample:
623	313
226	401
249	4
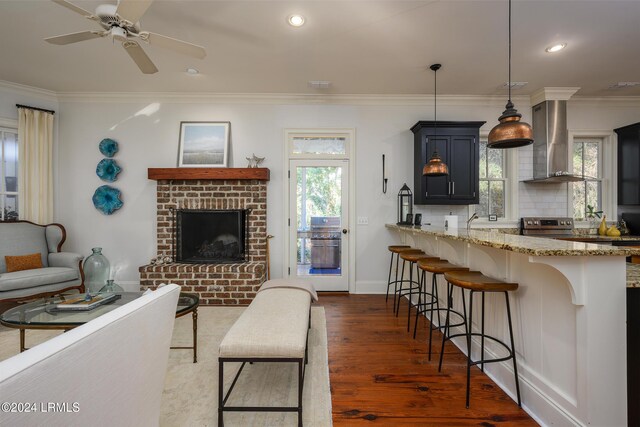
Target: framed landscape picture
204	144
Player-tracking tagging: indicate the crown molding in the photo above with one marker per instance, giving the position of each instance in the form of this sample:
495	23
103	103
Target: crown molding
274	98
553	94
492	101
606	101
31	90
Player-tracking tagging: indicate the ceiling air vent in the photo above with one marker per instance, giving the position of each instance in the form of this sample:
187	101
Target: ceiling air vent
514	85
319	84
624	85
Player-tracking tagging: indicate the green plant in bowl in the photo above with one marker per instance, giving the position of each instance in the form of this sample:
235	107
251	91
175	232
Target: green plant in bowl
592	213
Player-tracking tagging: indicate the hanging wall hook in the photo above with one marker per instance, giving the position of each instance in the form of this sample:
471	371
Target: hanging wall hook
384	178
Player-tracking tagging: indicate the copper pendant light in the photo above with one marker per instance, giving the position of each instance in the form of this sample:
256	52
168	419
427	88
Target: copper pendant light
510	132
435	166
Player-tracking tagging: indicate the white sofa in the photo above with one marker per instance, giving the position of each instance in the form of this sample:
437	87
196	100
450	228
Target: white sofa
108	372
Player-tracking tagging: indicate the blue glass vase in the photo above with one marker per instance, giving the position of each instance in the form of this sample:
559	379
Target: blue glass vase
96	271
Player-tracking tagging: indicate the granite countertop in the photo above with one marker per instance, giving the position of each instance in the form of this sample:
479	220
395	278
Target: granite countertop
633	275
522	244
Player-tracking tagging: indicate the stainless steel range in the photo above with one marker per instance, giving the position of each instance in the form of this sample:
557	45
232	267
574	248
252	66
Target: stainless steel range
560	228
551	227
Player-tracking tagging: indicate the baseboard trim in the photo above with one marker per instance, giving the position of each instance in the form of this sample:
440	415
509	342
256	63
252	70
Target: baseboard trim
333	293
371	287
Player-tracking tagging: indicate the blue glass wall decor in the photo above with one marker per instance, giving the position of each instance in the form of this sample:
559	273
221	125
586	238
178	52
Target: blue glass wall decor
108	170
107	199
108	147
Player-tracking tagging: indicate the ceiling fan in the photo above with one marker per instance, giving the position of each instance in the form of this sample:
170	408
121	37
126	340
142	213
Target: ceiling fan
121	23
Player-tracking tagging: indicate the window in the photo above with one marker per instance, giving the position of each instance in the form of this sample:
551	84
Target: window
319	145
587	162
8	173
492	200
326	145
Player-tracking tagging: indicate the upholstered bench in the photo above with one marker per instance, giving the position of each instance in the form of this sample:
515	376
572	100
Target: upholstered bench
273	328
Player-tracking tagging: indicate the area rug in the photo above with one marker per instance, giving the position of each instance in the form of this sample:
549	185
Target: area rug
190	395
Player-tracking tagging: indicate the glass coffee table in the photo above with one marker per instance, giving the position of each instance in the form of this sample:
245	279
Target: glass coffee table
42	314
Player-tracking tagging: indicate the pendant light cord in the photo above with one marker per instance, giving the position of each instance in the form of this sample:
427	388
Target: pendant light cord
509	51
435	106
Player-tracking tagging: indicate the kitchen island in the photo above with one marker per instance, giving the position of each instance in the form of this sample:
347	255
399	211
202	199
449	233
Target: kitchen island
568	314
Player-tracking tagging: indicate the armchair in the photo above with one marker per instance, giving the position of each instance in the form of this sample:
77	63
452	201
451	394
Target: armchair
61	271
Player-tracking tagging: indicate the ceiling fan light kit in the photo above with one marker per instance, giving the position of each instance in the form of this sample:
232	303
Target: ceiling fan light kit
510	132
121	23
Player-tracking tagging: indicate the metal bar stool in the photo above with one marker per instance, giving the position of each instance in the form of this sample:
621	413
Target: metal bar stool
414	259
395	250
435	267
430	298
414	285
401	279
475	281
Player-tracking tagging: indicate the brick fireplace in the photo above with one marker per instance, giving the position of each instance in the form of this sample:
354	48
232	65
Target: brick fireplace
211	189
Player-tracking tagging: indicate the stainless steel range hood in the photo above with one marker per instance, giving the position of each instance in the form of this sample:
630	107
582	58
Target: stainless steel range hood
551	159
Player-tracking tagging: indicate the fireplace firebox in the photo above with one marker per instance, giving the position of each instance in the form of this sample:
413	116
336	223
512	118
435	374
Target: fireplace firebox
210	236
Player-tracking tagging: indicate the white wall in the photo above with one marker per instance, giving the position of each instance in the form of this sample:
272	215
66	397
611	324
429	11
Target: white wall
127	237
257	126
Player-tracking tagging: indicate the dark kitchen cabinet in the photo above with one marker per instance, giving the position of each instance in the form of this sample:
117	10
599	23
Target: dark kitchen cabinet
458	145
629	164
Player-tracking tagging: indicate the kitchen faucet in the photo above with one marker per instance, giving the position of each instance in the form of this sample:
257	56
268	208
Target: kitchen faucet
474	216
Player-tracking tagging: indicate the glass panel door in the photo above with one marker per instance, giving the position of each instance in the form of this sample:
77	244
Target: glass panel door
318	223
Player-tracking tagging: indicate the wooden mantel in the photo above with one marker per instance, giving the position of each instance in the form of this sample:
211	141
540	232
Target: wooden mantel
260	174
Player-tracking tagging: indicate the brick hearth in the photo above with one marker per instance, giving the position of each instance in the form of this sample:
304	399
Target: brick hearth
216	284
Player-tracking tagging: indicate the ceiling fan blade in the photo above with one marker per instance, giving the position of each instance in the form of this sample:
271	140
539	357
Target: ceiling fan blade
73	7
176	45
139	57
75	37
132	10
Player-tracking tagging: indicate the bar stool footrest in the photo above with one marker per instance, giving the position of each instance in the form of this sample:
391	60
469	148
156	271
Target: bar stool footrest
487	337
451	325
410	290
426	303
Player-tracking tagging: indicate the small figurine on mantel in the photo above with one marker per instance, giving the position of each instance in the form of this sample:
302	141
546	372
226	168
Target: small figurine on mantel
254	161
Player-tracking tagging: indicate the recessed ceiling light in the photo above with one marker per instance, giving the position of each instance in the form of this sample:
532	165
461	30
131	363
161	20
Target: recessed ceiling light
192	71
555	48
296	20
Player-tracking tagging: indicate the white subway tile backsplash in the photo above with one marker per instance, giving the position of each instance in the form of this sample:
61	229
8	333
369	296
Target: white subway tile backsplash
538	199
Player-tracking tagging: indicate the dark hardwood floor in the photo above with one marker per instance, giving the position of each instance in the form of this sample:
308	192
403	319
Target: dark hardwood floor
380	374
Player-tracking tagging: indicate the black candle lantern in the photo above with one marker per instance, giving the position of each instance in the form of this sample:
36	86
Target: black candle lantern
405	206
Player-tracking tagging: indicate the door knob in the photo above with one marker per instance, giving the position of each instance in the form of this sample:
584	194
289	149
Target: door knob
345	231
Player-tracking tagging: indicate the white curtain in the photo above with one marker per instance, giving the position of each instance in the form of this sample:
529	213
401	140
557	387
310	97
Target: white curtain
35	157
